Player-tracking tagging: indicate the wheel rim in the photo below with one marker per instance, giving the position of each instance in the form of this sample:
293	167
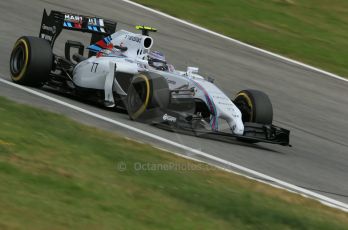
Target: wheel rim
17	61
138	97
244	106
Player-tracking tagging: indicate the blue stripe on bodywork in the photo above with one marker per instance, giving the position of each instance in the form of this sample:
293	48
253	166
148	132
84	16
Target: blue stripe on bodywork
107	39
94	48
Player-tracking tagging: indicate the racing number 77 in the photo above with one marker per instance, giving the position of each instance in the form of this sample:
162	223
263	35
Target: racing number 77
94	67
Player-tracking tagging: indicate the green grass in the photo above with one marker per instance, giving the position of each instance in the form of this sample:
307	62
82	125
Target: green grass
56	174
312	31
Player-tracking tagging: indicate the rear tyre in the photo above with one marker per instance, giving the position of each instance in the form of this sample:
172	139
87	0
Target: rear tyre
31	61
147	95
255	106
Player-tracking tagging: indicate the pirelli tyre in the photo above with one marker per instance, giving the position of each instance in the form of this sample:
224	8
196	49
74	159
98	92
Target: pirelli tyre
147	97
31	61
255	106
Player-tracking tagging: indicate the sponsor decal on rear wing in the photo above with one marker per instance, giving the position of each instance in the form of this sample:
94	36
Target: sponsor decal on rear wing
84	23
52	25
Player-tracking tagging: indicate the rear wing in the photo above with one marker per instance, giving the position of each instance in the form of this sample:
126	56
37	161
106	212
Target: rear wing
53	24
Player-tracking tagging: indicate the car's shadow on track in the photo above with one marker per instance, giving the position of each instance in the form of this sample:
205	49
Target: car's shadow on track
223	139
83	100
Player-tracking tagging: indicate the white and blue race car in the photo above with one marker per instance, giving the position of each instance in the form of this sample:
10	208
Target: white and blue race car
122	71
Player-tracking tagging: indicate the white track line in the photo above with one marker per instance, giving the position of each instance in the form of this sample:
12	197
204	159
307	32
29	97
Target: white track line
238	42
259	176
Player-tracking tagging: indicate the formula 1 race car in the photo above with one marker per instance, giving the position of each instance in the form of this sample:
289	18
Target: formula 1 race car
122	71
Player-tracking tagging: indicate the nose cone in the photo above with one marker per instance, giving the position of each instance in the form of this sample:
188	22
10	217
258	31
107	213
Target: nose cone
238	128
235	122
234	119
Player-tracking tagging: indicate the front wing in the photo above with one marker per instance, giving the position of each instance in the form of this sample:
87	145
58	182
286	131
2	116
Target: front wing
253	132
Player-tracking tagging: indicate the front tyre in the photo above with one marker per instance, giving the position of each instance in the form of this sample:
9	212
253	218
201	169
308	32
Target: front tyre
31	61
255	106
147	95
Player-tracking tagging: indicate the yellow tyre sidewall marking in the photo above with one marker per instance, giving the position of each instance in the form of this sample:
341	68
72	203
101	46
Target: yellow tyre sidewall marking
24	69
143	107
246	96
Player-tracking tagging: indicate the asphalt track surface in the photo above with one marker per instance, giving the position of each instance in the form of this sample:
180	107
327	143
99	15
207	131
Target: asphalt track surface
313	106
